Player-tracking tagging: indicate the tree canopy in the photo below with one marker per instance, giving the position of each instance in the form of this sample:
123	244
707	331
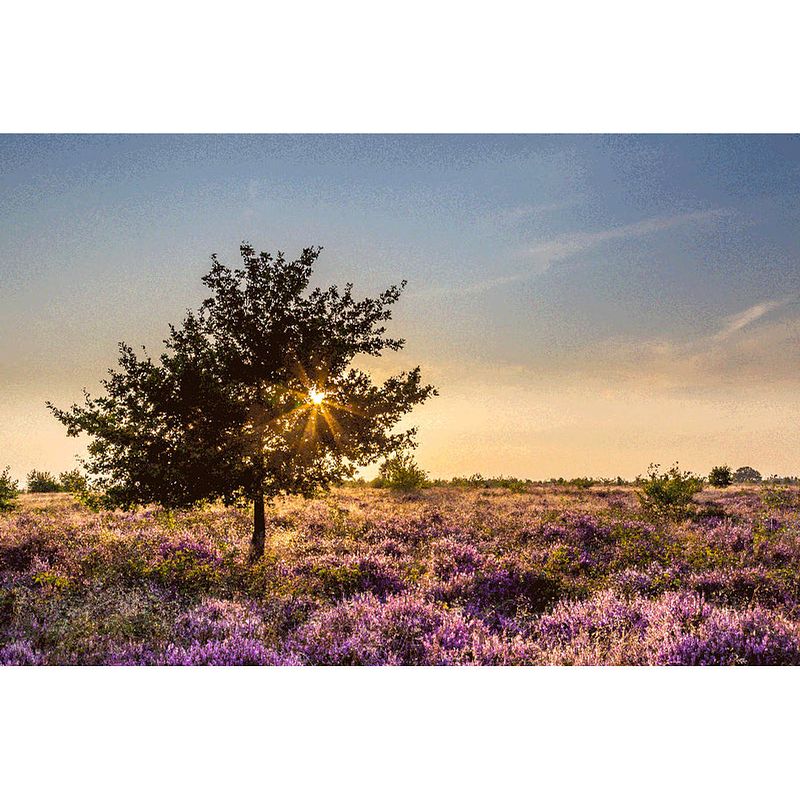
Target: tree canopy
254	395
746	475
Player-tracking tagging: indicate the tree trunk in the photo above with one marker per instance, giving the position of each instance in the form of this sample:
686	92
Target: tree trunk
259	529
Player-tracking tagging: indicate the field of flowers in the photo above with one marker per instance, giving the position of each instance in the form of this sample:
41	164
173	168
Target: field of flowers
548	575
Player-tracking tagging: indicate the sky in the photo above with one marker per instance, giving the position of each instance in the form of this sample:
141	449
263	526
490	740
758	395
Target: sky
586	305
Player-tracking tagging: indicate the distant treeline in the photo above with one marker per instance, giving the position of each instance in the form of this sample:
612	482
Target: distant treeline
38	481
478	481
402	472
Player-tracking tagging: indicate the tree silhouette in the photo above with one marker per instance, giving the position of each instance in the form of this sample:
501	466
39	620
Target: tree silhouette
721	476
254	395
746	475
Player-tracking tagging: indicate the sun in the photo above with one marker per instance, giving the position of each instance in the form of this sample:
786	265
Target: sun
316	396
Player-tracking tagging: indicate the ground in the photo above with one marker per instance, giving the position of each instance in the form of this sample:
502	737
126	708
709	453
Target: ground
544	575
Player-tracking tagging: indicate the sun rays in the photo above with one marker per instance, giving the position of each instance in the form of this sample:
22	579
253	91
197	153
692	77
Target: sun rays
313	410
316	396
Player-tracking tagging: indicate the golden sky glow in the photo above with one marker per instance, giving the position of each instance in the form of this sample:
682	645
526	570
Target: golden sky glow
584	304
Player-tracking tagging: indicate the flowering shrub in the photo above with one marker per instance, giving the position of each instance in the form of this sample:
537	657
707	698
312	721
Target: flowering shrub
450	575
405	630
674	629
19	654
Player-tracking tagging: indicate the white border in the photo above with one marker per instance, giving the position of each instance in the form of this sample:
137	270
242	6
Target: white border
391	67
399	732
416	66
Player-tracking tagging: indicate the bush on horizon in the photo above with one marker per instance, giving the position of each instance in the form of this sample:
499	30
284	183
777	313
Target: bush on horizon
42	482
668	494
721	476
746	475
73	481
401	472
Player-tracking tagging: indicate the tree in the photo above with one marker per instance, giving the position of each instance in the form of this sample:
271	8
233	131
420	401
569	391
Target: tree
254	396
8	490
42	482
721	476
72	481
746	475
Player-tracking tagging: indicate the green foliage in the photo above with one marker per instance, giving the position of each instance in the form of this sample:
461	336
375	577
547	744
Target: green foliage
478	481
401	472
73	481
42	482
721	476
785	480
49	579
185	571
84	491
668	494
584	482
8	490
338	581
92	499
254	396
746	475
778	499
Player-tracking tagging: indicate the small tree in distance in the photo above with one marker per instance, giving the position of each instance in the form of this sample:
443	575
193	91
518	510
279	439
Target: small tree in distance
721	476
254	395
401	471
9	490
72	481
42	482
746	475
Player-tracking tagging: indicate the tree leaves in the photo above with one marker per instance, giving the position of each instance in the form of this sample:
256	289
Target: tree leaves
224	413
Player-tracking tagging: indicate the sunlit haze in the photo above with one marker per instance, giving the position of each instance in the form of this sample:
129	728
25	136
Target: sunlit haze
584	304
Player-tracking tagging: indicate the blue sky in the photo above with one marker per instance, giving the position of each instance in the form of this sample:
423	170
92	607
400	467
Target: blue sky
586	304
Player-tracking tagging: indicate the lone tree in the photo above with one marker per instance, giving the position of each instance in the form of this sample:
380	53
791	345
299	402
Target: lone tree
254	395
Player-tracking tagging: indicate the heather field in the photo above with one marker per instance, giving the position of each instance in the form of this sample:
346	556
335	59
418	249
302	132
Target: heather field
544	576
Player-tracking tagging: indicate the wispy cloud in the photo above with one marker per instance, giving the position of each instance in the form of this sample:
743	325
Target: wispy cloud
736	322
547	252
763	355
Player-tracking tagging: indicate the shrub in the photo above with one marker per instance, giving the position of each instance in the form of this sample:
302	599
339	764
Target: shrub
407	630
668	494
42	482
8	490
478	481
721	476
188	567
73	481
779	499
678	628
401	471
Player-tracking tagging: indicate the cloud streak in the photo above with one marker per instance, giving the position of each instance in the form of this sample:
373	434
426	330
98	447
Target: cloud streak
563	247
548	252
736	322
